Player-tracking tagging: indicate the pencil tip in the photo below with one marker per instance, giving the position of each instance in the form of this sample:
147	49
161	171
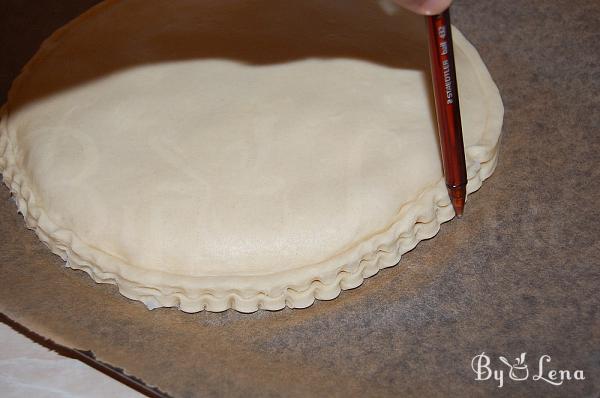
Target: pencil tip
459	206
459	212
457	197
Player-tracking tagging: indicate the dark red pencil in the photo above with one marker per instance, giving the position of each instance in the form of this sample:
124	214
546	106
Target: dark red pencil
445	90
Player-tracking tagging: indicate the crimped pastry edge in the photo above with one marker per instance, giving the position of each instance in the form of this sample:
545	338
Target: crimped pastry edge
297	288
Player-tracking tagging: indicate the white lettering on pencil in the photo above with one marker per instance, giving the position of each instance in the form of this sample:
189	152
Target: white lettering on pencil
442	32
448	82
444	48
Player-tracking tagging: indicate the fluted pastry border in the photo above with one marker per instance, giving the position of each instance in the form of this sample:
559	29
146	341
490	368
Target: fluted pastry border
298	288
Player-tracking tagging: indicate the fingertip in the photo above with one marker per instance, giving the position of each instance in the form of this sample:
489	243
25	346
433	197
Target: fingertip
431	7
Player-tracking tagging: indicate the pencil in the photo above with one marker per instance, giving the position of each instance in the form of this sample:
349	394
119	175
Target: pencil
447	106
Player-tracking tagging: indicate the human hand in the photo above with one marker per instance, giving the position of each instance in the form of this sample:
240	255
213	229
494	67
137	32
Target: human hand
425	7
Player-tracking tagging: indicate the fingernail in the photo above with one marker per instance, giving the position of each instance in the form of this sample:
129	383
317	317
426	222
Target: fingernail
433	7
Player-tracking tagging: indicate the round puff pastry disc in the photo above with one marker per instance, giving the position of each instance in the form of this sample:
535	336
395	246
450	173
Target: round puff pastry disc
237	154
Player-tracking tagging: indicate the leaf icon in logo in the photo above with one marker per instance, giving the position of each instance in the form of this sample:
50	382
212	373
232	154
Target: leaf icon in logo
519	370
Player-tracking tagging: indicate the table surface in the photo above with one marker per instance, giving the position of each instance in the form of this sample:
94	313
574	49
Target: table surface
30	369
519	273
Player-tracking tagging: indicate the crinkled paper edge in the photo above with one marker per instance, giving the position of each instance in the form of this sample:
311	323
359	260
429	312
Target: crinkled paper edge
298	288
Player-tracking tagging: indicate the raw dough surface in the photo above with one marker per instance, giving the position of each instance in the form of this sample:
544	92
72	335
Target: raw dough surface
246	154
